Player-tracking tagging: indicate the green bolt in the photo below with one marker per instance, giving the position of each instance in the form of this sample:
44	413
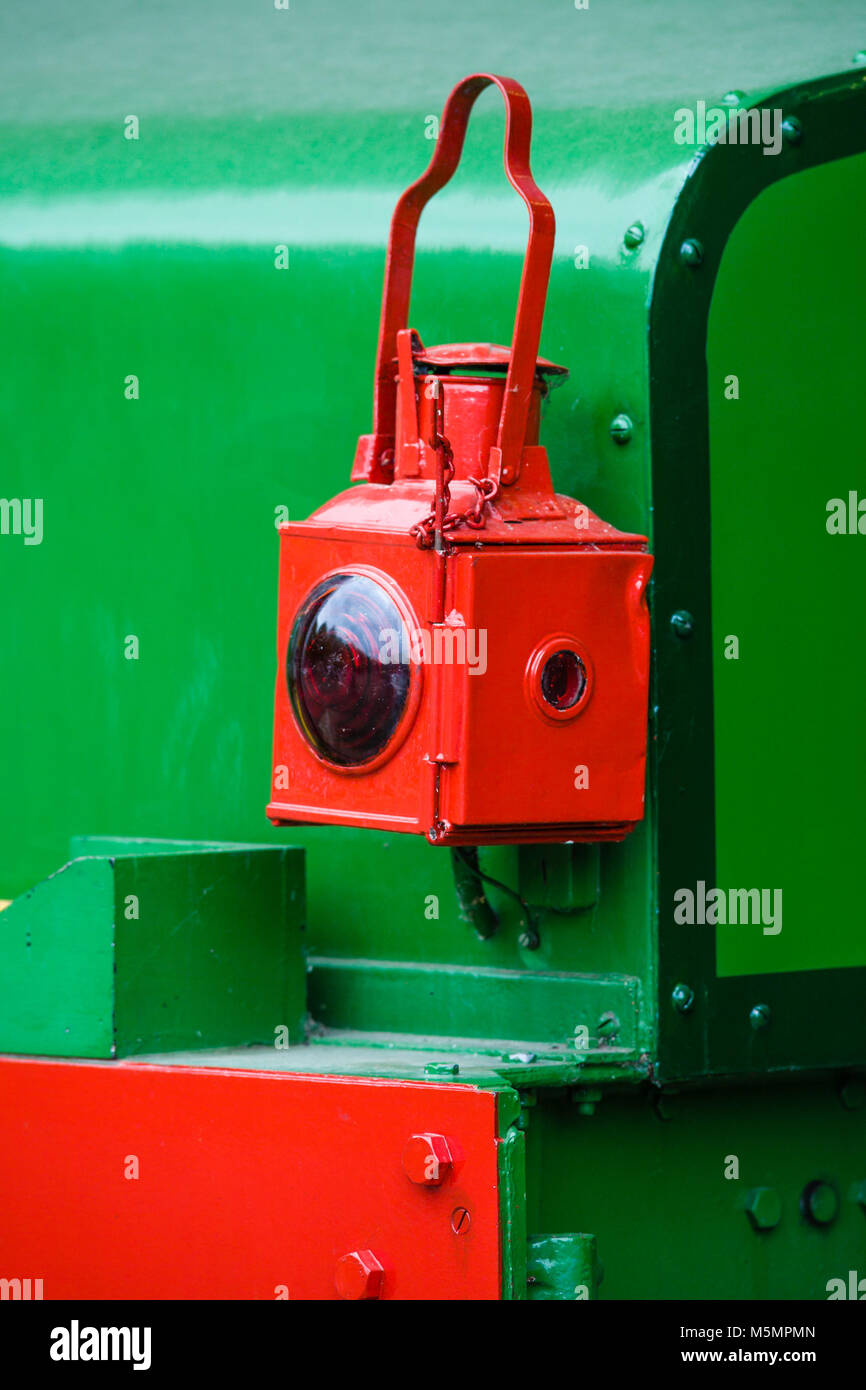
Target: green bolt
608	1026
819	1203
683	998
620	429
763	1208
634	235
858	1194
682	623
760	1016
733	98
586	1098
691	253
441	1068
859	56
792	130
853	1094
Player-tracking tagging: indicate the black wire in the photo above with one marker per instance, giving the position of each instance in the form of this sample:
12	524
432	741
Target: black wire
530	909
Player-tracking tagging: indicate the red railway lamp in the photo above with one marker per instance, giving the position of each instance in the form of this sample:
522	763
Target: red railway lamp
462	652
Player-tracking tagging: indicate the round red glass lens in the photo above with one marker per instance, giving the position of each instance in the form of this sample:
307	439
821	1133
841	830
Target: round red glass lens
563	679
347	668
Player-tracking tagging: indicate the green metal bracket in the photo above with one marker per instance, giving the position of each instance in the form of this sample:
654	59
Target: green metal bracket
563	1267
152	947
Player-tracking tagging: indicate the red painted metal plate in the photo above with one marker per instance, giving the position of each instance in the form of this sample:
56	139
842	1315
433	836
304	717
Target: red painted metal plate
250	1184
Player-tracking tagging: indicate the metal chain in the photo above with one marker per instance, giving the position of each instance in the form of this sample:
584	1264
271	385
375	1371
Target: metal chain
485	490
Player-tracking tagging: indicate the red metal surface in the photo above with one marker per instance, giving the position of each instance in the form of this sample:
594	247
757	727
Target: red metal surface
248	1183
475	759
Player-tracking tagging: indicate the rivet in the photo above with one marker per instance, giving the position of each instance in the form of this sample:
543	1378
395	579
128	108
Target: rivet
634	235
691	252
819	1203
763	1208
621	429
683	998
859	56
733	98
792	130
853	1094
682	623
760	1016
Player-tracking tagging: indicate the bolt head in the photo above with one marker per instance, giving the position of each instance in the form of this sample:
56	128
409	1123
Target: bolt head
634	235
683	998
819	1203
359	1275
427	1159
621	429
691	253
608	1026
763	1208
792	130
682	623
858	1194
733	98
760	1017
853	1094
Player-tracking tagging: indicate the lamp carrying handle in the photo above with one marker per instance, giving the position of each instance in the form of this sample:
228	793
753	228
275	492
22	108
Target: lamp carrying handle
504	464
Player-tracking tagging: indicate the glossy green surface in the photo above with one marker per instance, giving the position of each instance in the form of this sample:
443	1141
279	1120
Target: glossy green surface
155	258
152	949
562	1268
667	1202
299	128
790	754
773	1020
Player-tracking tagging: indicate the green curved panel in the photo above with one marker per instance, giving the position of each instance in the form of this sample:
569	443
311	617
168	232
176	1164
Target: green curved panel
790	759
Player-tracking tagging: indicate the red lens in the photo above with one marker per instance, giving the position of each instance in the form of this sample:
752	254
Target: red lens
563	679
348	669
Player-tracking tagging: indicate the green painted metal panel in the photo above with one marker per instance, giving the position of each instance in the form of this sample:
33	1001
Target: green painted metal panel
132	952
790	760
660	1195
559	1014
773	1020
512	1200
156	257
57	964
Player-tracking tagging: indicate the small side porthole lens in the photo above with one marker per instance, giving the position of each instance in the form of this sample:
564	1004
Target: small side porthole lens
563	679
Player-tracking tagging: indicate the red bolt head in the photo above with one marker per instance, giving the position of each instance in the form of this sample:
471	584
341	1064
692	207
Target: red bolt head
359	1275
427	1159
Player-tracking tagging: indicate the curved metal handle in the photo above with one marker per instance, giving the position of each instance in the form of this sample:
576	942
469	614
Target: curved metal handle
536	264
